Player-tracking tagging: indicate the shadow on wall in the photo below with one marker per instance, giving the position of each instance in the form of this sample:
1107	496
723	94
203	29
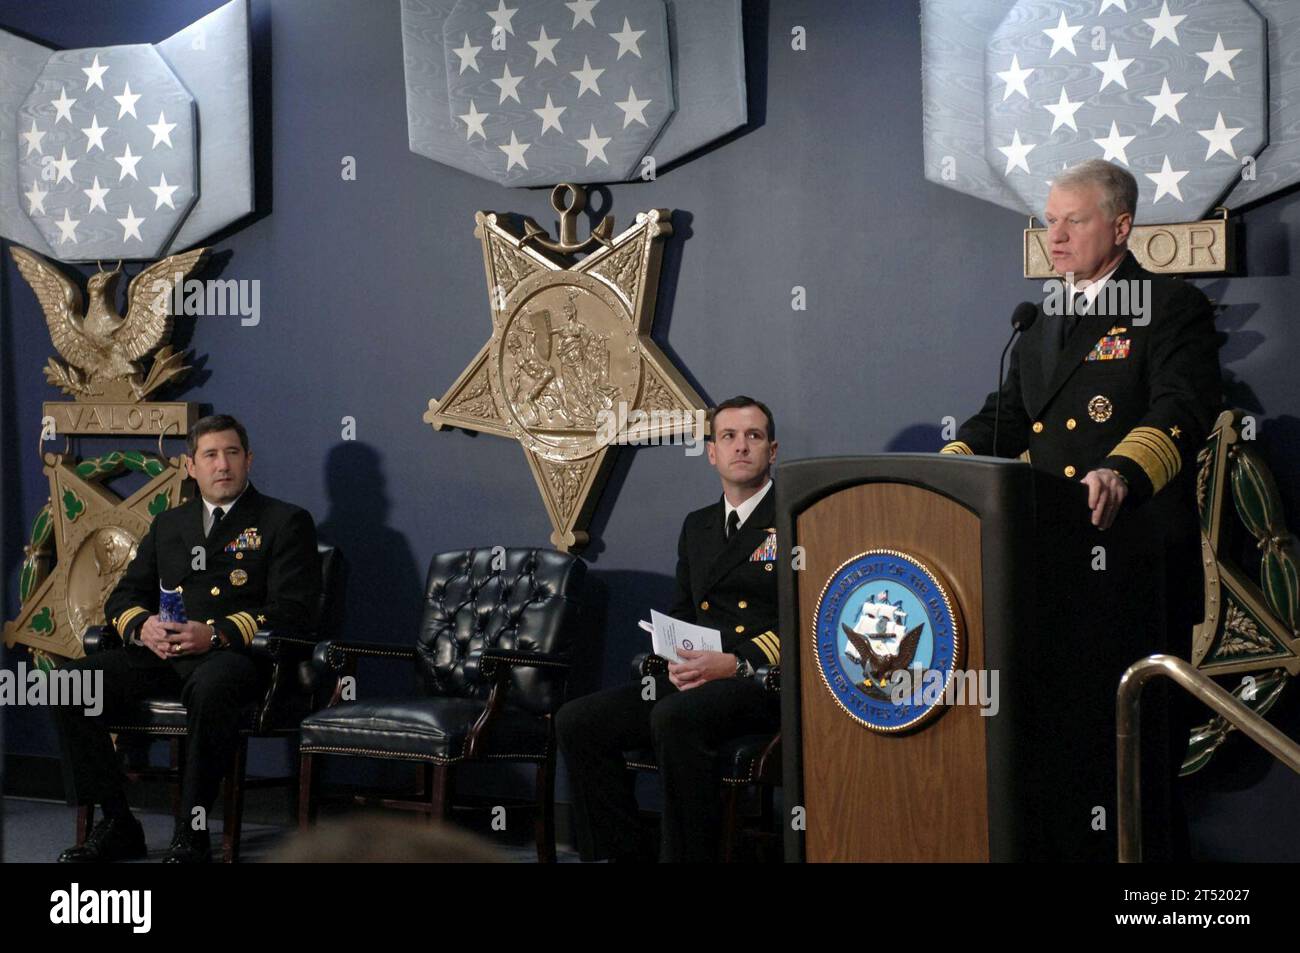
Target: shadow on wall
384	595
384	592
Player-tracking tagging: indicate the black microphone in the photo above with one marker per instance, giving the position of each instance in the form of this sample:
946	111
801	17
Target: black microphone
1022	319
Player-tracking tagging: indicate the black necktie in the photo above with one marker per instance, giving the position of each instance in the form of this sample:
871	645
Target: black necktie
733	523
1062	329
218	514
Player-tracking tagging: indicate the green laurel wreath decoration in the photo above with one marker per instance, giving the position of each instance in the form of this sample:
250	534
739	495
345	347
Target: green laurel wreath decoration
1259	506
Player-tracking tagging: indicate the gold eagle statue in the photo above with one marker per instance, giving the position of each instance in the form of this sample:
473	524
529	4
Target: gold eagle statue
102	347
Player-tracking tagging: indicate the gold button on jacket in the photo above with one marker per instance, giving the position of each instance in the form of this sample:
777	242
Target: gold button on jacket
1069	471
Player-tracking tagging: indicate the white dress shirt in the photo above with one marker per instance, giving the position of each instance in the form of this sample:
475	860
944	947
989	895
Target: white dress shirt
744	509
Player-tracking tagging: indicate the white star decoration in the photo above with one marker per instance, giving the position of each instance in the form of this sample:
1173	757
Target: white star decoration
1166	181
582	12
587	77
1115	144
1165	26
63	165
1017	153
1015	79
545	48
34	137
1166	103
633	109
1062	36
1220	138
94	134
128	163
96	196
1107	4
131	225
550	116
68	228
474	119
627	40
515	152
595	146
162	131
163	192
501	18
64	106
126	102
468	55
1063	112
509	86
94	74
1112	69
1218	60
36	199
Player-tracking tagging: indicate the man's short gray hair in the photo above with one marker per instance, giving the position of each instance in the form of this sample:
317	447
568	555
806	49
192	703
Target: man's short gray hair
1119	190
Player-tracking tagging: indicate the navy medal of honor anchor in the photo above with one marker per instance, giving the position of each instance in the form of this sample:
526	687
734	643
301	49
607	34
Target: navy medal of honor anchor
880	612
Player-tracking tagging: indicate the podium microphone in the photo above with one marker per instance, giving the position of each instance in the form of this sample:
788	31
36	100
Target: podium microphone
1022	319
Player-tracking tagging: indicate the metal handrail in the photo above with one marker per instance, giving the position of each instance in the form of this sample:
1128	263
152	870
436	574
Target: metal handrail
1129	743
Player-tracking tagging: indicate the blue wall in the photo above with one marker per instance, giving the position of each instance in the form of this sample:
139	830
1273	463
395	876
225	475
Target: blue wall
373	302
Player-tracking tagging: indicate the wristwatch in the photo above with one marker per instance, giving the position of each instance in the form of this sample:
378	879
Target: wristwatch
743	668
218	641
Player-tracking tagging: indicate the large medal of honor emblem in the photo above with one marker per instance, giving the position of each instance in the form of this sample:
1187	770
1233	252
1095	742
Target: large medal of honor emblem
881	615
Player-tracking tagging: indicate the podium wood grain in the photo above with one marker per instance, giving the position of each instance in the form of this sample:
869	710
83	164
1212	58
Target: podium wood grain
915	796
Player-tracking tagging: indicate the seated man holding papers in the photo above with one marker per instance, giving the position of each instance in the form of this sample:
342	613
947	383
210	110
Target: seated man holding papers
726	584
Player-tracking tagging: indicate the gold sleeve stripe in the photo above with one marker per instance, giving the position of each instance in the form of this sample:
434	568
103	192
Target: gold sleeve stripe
958	446
1161	446
124	620
769	645
1154	452
251	622
1025	456
244	622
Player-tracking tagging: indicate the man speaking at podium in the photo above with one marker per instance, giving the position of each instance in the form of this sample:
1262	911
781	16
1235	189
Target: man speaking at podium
1115	384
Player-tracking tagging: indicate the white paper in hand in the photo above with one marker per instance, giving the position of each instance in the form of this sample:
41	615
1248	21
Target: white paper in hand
668	635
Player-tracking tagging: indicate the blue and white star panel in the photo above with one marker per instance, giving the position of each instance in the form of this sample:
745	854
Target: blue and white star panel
1278	167
570	90
109	157
1178	99
1184	93
543	95
21	61
106	171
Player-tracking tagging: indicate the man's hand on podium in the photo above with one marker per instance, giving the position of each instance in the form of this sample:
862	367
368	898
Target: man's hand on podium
1106	492
700	667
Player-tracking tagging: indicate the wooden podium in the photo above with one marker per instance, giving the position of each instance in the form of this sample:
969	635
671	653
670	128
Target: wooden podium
1012	548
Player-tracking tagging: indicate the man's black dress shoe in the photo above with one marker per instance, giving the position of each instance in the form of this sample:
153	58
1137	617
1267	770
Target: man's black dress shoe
113	838
189	846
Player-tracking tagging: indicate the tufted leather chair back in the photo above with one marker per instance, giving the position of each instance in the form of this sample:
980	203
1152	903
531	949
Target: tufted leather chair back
522	600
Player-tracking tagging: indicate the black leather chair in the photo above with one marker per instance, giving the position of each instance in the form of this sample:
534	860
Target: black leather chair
743	761
291	692
491	660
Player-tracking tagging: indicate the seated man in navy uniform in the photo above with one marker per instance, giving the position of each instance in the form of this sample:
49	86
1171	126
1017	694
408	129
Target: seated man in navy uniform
726	580
1116	385
243	562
